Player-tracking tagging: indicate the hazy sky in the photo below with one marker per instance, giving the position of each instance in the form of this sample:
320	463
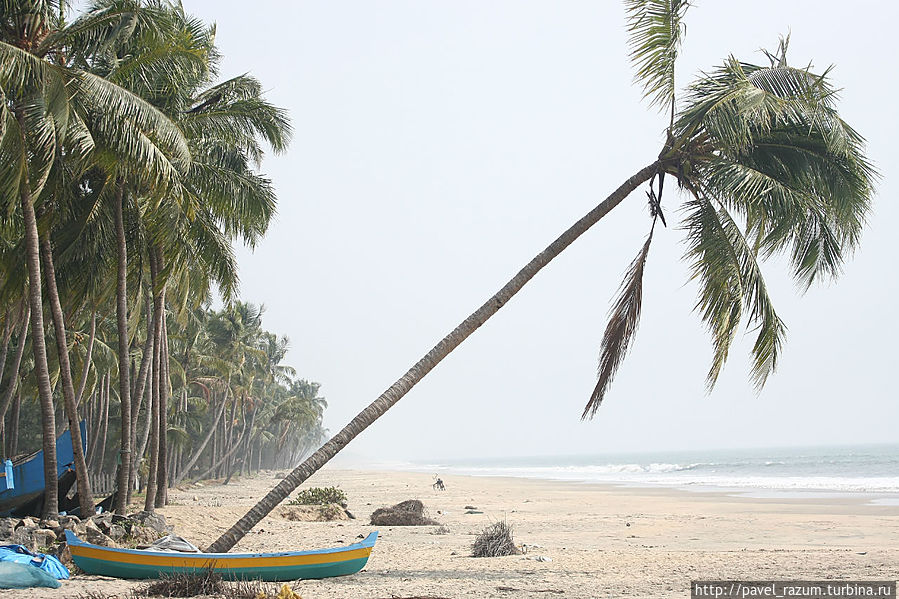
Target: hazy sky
440	145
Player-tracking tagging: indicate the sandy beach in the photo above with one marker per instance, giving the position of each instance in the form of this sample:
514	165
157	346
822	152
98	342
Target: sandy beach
600	540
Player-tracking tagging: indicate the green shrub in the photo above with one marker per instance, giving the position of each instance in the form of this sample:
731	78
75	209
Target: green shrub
319	496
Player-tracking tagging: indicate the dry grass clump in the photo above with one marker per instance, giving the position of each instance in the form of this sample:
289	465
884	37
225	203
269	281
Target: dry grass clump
406	513
207	583
495	541
194	584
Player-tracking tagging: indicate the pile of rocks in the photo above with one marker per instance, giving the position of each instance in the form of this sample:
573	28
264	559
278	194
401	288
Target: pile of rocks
109	530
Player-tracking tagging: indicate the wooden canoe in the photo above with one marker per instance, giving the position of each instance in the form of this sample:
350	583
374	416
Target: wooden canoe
139	563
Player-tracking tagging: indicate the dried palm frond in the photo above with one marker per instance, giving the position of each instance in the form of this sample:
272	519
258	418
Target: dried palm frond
623	321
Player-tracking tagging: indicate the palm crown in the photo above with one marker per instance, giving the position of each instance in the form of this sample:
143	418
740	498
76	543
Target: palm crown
767	166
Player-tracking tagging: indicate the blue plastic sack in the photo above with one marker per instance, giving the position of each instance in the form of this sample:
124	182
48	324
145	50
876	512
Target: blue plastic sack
15	575
47	563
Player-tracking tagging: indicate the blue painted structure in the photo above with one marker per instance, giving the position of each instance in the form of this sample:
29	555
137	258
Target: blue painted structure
28	472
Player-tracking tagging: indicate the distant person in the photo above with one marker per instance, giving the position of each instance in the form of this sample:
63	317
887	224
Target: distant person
438	485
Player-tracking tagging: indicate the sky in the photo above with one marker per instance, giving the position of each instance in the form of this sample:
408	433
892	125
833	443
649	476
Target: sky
439	145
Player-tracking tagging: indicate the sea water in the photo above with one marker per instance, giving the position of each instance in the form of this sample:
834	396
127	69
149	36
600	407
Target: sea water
871	470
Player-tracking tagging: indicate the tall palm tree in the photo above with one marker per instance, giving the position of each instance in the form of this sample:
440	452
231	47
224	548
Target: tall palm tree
766	166
160	57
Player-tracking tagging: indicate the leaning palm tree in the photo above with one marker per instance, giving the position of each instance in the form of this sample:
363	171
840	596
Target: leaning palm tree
765	165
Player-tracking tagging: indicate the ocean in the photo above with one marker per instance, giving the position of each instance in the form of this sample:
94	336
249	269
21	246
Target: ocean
870	470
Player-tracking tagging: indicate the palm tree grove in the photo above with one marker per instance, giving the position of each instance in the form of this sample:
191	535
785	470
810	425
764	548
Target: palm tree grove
132	173
129	171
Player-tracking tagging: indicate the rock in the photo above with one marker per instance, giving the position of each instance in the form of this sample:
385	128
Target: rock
195	497
68	526
68	523
116	532
22	536
64	555
89	526
7	526
152	520
73	520
93	535
43	539
143	536
49	524
406	513
27	523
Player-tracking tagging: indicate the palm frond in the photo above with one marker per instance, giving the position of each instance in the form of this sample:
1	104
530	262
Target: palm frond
656	29
134	127
235	112
620	330
21	71
242	203
731	284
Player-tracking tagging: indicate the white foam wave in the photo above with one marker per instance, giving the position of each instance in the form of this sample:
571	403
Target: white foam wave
681	475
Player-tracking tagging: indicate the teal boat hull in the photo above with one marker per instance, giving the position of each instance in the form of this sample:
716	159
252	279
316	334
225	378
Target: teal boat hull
275	567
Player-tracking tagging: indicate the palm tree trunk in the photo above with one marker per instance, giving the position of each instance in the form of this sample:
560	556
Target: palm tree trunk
145	436
215	439
158	312
96	413
162	479
227	436
104	427
41	369
137	400
14	424
12	442
8	326
85	370
145	364
85	496
126	444
17	364
396	391
199	450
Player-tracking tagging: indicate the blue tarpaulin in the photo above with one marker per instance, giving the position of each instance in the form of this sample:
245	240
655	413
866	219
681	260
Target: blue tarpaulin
20	555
